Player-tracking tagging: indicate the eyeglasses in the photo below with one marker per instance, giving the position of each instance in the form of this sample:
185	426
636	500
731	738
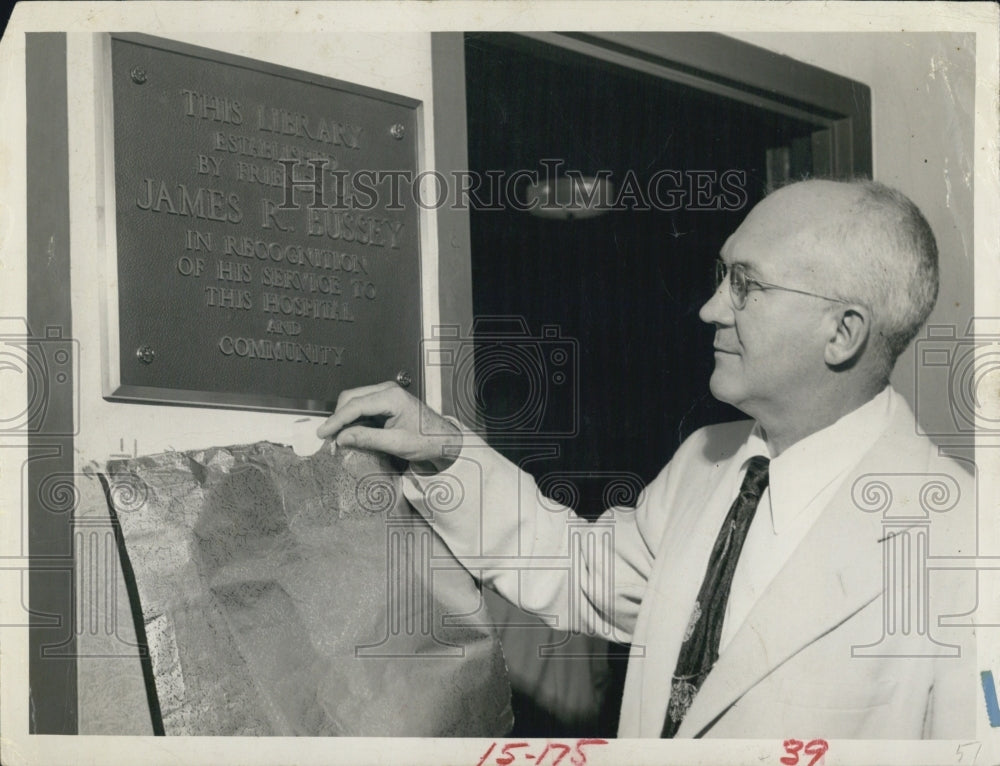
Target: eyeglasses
740	284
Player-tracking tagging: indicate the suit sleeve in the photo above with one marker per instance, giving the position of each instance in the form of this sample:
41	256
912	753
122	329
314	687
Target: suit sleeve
956	694
575	575
952	706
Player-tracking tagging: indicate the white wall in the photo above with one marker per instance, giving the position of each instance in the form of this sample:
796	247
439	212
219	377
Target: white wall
922	118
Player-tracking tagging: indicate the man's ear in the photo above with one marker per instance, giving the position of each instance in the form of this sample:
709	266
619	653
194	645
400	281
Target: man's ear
849	337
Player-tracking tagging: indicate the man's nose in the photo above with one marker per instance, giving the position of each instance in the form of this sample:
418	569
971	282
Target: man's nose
718	309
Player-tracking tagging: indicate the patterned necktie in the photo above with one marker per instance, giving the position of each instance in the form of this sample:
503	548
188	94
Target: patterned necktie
700	648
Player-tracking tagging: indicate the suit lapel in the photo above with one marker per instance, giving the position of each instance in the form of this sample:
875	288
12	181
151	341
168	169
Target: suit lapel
684	549
834	572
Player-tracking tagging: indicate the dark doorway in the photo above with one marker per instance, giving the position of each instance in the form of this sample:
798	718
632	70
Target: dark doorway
626	285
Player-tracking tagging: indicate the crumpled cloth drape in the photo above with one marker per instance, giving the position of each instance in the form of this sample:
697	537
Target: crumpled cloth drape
283	595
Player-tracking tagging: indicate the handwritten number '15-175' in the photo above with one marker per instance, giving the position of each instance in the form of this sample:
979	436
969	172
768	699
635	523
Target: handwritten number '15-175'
555	752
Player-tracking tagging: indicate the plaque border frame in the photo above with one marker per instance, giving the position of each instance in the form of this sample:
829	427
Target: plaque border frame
112	388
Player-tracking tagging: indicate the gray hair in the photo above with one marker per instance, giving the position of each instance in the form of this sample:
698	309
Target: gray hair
890	261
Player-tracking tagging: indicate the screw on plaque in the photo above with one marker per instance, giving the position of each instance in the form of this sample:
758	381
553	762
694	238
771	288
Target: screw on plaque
397	131
145	354
404	378
138	75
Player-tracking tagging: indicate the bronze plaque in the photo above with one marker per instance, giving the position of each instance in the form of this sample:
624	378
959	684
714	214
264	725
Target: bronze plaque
266	231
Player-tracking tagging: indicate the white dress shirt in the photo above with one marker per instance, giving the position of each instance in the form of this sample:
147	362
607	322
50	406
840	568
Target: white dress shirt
801	481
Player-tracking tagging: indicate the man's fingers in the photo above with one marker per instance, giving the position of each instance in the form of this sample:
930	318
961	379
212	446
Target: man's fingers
356	393
405	434
398	443
374	403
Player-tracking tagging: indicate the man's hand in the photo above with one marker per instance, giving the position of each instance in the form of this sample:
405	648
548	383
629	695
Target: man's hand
412	430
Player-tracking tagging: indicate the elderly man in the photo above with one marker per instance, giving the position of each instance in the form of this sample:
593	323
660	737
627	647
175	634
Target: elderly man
755	592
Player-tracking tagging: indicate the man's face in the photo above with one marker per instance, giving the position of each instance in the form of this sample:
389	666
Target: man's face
769	354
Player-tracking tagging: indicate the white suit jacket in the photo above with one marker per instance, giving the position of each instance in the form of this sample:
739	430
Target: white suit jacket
844	643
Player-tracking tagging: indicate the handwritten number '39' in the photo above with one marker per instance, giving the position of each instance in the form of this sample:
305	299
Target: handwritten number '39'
816	748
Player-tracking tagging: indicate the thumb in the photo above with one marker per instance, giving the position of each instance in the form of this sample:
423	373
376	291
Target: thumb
394	442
